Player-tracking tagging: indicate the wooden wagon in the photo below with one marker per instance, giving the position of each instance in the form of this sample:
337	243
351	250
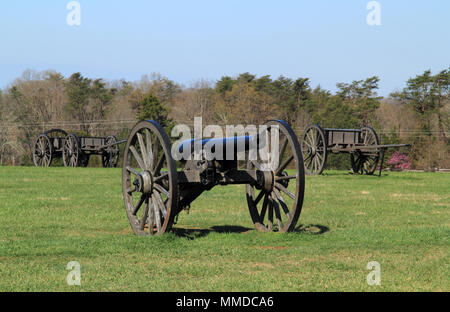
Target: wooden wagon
74	150
363	145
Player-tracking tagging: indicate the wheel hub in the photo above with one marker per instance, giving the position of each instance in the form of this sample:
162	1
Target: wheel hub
144	182
265	180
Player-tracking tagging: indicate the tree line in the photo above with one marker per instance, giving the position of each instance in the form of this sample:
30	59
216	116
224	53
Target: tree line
39	101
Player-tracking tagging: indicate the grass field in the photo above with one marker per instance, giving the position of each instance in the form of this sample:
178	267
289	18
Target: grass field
50	216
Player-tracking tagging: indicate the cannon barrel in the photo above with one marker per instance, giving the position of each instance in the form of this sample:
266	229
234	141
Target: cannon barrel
237	143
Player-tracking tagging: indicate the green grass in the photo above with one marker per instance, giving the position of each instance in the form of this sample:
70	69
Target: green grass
50	216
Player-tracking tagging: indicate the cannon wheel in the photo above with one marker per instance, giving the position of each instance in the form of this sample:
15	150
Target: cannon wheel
43	151
314	148
110	156
283	198
366	162
149	180
71	151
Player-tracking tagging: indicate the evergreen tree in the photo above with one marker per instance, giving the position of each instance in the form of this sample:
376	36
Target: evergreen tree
78	92
150	108
362	97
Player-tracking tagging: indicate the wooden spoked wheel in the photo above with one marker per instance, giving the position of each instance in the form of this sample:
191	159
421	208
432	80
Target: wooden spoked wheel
366	161
314	149
43	151
149	180
71	151
277	205
110	156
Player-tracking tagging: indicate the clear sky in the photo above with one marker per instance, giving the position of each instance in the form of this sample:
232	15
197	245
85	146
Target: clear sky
328	41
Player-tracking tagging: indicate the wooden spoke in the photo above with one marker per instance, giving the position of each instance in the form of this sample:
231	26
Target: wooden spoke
148	137
133	170
145	215
163	176
283	148
161	189
277	214
260	196
131	189
143	151
159	165
281	178
284	165
157	215
151	221
285	190
270	219
264	208
282	203
307	143
307	157
160	203
139	204
155	152
137	157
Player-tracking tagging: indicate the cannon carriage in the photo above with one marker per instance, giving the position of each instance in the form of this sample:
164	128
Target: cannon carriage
363	145
156	188
74	150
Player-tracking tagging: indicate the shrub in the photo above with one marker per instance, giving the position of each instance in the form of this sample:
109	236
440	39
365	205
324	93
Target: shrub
399	161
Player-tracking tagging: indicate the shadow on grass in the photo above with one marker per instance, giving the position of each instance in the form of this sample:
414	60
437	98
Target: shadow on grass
197	233
312	229
190	234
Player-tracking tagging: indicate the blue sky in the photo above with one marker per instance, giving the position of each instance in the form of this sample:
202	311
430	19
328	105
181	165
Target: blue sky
328	41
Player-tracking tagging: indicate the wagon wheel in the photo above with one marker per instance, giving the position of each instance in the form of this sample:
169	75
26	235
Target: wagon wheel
149	180
366	162
110	156
43	151
72	155
283	190
314	148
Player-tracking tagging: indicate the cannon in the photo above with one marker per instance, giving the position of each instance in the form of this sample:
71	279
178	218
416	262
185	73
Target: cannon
74	150
363	145
156	187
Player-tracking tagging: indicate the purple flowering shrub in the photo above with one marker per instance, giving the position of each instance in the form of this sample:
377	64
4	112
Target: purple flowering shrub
399	161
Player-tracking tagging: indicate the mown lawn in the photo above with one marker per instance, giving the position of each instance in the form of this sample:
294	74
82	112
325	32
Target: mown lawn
50	216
